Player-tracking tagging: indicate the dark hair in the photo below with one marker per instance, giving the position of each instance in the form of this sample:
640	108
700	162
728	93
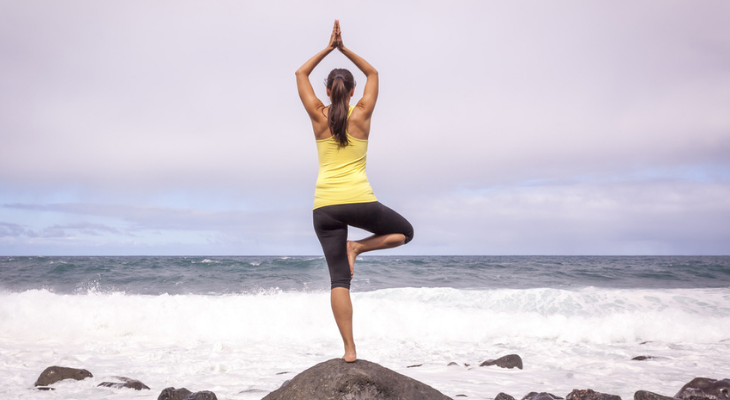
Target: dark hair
339	82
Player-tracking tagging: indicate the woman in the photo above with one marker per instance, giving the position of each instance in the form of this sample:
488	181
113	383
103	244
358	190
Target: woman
343	195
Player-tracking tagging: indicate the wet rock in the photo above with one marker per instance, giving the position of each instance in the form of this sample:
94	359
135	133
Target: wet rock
252	391
643	358
644	395
705	388
202	395
174	394
183	394
508	361
336	380
589	394
504	396
54	374
540	396
126	383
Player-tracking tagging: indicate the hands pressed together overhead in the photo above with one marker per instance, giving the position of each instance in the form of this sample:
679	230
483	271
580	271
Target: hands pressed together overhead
336	37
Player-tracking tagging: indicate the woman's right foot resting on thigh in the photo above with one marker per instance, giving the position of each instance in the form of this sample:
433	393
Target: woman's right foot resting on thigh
375	242
352	253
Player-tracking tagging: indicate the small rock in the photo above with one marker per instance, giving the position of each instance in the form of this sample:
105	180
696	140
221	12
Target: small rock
508	361
282	373
54	374
202	395
643	358
174	394
183	394
414	366
589	394
645	395
252	391
705	388
126	383
453	364
540	396
504	396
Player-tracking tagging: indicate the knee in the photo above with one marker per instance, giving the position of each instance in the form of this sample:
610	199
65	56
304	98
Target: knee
408	235
341	284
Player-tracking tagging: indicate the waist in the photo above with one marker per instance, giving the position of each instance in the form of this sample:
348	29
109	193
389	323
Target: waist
343	191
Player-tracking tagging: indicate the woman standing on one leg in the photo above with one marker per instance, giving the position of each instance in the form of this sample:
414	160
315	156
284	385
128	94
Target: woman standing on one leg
343	196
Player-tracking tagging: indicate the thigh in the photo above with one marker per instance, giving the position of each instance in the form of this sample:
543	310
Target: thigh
380	220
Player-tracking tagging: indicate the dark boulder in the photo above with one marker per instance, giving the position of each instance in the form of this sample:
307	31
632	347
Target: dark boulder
174	394
705	388
508	361
362	380
540	396
54	374
589	394
643	358
504	396
644	395
125	383
202	395
183	394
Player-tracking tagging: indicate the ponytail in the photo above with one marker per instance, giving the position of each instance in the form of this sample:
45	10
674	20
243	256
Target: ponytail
339	82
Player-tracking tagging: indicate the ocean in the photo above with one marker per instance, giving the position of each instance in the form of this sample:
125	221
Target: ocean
241	326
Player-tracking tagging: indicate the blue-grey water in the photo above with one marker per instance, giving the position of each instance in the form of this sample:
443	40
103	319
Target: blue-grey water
225	275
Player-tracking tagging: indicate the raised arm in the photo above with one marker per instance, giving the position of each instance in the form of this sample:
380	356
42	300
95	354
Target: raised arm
370	92
311	103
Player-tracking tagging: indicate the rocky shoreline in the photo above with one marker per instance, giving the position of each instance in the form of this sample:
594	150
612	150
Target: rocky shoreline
364	380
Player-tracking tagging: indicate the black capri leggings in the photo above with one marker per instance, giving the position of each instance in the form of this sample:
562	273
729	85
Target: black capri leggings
330	224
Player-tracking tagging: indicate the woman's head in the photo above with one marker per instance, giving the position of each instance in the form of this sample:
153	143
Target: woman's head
340	87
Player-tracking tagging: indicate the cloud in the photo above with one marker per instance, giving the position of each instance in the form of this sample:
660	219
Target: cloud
161	127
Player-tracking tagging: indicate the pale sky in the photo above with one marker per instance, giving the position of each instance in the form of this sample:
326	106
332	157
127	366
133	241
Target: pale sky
502	127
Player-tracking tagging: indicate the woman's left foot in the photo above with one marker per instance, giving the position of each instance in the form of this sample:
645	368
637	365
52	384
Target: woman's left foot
350	356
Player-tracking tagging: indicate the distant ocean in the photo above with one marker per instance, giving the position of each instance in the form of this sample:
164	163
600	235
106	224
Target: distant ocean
241	326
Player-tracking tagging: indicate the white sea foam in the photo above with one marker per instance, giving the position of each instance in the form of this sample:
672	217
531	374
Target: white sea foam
231	343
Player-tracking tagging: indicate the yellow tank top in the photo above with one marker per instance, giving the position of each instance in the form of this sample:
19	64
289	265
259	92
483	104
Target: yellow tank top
342	178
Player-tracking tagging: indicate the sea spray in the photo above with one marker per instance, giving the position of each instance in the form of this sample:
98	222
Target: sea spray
246	323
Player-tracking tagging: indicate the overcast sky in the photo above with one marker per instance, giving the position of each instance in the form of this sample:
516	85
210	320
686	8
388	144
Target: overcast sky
502	127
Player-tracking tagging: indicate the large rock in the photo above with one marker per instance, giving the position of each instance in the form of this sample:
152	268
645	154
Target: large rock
589	394
508	361
504	396
126	383
54	374
705	388
362	380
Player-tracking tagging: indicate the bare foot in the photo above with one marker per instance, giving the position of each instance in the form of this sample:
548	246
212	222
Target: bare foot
351	256
350	355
